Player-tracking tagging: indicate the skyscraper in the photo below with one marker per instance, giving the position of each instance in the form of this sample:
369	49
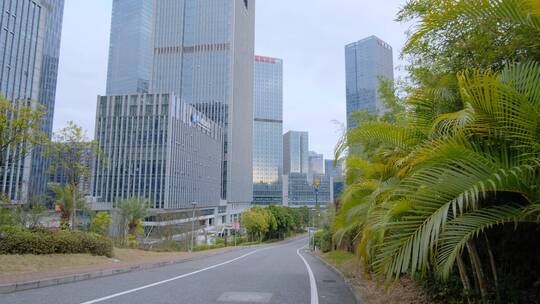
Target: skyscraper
336	172
29	51
365	62
295	152
316	163
203	51
47	90
267	131
130	49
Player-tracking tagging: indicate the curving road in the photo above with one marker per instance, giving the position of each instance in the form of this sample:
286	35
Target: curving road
281	273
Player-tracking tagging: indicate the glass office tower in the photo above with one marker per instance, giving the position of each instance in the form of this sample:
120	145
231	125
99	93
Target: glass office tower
316	163
296	152
267	131
333	170
29	50
130	50
47	90
365	62
203	51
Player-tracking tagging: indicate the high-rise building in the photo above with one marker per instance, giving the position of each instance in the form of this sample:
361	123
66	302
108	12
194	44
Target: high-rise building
267	131
203	51
47	90
156	147
130	48
366	61
334	171
295	152
29	52
316	163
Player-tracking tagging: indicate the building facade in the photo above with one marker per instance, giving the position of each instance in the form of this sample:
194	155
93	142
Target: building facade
29	51
267	131
158	148
316	163
47	91
335	171
296	152
366	61
203	51
299	190
130	47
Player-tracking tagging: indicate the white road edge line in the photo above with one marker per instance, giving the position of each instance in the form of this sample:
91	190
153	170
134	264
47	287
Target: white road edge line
172	279
312	282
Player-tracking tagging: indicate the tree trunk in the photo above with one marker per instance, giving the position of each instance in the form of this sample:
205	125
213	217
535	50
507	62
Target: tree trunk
73	208
493	269
477	265
464	277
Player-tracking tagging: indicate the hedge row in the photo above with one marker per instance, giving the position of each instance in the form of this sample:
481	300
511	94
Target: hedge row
15	241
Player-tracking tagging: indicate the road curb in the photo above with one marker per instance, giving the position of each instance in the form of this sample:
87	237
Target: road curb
20	286
345	279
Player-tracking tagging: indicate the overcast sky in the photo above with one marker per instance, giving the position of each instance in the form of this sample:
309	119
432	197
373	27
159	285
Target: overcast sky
309	35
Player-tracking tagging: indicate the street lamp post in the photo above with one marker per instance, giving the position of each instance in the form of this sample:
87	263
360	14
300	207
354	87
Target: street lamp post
194	204
314	217
316	183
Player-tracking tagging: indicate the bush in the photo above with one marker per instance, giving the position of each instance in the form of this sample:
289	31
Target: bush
323	240
15	241
100	223
208	247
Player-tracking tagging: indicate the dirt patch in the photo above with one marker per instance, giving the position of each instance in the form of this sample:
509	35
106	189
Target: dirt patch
370	290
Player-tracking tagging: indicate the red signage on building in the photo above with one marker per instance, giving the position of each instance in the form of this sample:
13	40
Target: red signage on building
265	59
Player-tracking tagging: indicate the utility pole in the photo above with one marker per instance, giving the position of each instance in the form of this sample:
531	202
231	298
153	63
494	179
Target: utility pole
194	204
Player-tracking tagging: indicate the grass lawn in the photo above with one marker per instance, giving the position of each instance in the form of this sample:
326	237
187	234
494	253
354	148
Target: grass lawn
17	264
368	288
28	263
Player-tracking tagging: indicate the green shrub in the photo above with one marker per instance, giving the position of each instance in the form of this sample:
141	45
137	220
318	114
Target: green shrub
100	223
168	246
10	228
208	247
323	240
239	240
13	241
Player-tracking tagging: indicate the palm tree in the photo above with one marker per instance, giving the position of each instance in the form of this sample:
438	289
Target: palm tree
428	192
132	212
69	201
427	189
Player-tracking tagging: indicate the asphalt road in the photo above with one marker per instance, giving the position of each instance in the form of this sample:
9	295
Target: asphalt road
281	273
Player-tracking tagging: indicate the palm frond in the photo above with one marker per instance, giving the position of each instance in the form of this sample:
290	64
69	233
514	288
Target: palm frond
385	133
469	226
455	180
